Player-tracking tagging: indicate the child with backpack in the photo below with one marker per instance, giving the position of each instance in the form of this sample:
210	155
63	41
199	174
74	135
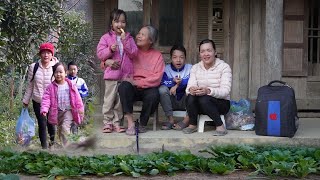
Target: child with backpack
116	50
62	102
39	77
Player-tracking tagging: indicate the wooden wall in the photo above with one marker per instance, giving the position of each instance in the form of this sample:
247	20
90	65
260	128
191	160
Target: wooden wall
240	65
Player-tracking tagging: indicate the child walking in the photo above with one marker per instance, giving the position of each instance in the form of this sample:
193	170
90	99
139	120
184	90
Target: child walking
116	50
81	85
79	82
62	102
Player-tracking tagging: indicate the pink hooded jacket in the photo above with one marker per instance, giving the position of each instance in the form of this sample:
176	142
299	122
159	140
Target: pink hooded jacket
129	53
49	103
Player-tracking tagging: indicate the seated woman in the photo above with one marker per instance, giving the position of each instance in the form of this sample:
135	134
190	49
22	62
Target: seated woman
148	69
208	89
173	87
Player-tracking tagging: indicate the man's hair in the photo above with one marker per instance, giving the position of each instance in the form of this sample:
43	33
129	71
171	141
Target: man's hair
71	64
178	47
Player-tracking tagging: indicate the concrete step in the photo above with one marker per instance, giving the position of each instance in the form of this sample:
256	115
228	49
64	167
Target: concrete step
151	141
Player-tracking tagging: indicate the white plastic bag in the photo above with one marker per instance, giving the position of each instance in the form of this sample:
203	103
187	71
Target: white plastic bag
25	128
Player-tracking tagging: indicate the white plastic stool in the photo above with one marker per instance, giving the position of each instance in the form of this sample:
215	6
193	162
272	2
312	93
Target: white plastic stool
179	113
204	118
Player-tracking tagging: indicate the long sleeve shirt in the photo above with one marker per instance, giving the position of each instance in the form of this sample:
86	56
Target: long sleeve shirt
148	68
218	79
171	72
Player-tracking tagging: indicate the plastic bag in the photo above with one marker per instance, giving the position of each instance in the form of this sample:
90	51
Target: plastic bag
240	116
25	128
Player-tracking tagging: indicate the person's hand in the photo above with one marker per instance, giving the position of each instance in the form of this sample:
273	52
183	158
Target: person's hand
114	47
193	90
44	114
113	64
173	90
102	66
123	34
177	80
81	113
202	91
25	105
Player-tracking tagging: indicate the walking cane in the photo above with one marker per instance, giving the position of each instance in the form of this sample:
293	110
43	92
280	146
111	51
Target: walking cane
137	134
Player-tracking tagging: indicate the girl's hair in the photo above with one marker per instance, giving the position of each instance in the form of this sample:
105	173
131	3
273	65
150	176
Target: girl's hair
54	68
153	34
115	15
208	41
178	47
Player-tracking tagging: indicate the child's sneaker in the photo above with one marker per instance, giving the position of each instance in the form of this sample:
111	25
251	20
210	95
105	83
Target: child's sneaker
74	128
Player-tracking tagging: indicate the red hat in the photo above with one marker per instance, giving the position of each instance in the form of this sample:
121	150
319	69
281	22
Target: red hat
46	46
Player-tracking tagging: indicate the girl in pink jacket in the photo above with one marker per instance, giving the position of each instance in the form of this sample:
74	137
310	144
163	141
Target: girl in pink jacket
62	102
116	50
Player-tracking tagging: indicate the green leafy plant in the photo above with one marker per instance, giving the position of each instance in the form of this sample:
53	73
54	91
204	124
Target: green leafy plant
291	162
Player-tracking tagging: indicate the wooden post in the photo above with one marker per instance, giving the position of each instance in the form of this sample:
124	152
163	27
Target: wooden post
240	66
256	47
228	26
146	12
273	41
190	30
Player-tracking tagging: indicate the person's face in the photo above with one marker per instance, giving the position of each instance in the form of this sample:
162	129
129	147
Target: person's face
142	38
117	24
207	54
73	70
60	74
46	56
178	59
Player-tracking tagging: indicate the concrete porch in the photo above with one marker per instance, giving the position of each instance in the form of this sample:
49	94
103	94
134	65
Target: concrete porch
308	134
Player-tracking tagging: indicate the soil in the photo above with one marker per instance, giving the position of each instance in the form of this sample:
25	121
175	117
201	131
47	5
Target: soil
238	175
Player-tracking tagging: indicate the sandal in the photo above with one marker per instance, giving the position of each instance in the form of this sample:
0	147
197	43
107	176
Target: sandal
131	131
167	126
189	130
180	126
220	133
107	128
118	129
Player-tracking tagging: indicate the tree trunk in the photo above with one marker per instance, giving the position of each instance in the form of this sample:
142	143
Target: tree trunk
12	88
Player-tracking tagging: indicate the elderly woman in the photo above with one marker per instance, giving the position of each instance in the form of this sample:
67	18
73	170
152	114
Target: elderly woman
208	89
148	68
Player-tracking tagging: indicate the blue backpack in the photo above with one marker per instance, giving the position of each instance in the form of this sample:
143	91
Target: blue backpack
276	110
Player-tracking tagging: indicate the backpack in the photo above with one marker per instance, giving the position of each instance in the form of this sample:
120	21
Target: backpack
35	68
276	110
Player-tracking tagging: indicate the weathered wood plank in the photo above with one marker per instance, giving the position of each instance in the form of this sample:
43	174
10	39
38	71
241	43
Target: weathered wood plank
273	40
190	30
146	12
228	26
299	84
256	48
313	89
241	50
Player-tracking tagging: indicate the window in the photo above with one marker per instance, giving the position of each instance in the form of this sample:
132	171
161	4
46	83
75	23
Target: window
314	38
170	22
134	11
216	23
